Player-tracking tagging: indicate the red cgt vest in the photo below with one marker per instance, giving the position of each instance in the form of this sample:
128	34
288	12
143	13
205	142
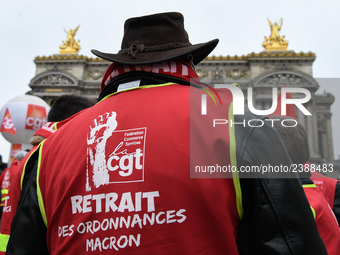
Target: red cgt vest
117	178
324	217
326	185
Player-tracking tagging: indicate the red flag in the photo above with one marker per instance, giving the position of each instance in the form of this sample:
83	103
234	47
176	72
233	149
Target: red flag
290	108
7	124
16	147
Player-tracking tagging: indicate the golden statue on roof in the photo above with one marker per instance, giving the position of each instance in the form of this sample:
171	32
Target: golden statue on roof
70	46
275	42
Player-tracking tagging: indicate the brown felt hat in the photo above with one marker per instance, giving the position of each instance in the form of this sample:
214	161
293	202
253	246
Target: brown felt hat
155	38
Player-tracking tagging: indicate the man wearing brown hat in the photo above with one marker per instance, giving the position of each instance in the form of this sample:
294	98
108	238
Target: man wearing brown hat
131	180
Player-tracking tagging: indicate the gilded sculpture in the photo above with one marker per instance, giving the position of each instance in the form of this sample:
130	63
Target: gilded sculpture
275	42
70	46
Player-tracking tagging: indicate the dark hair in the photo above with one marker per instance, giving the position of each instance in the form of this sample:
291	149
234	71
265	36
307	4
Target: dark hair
294	139
67	105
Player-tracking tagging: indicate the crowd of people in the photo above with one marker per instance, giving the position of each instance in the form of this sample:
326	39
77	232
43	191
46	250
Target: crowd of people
116	175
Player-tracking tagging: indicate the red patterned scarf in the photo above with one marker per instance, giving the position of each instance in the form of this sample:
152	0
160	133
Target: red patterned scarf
176	67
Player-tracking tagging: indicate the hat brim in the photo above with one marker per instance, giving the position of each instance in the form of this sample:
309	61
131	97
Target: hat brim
198	51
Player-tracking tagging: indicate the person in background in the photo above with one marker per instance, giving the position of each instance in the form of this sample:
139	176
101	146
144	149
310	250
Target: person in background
63	109
296	142
5	178
330	188
116	179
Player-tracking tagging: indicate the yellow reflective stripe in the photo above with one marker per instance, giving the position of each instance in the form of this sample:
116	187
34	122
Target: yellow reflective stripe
4	191
24	168
313	211
3	242
40	199
55	126
233	161
4	198
142	87
309	185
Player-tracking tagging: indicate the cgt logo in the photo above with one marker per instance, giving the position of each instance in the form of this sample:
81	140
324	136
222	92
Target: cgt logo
36	117
125	164
7	124
114	156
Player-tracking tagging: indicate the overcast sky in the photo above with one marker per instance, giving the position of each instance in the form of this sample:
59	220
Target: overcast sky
36	28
